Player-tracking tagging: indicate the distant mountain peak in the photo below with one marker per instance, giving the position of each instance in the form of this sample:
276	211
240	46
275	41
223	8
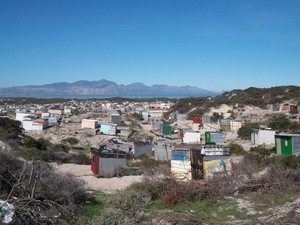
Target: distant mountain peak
100	87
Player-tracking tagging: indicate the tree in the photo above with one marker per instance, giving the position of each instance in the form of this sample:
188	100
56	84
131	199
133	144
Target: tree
279	122
216	116
245	131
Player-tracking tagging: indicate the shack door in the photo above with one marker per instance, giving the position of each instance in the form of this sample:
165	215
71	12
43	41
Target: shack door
286	144
196	164
95	165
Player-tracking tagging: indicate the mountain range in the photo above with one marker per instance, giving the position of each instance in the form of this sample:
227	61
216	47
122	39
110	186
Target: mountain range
102	87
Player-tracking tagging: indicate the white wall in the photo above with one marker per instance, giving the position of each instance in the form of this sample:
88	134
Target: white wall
191	137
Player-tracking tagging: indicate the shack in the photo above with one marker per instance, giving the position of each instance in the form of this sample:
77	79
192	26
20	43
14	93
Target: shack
105	161
214	137
108	128
89	123
287	144
262	136
192	137
145	115
115	118
162	150
142	148
197	118
165	129
196	161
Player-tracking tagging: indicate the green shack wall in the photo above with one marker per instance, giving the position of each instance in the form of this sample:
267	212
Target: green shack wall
207	137
284	144
166	129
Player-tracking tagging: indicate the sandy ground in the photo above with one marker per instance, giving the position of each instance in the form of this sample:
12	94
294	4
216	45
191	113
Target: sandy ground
107	185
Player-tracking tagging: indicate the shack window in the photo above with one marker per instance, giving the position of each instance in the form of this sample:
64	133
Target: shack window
285	143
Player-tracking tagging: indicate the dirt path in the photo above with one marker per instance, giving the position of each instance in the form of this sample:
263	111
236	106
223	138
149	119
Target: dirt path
108	185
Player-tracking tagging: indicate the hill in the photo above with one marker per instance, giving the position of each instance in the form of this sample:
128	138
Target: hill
102	87
259	96
251	96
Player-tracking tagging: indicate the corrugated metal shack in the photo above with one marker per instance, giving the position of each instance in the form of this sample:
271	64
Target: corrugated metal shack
197	119
196	161
105	161
142	148
262	136
165	129
108	128
163	150
287	144
115	118
213	137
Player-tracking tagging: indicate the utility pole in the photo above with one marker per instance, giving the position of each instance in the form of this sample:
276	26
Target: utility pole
118	160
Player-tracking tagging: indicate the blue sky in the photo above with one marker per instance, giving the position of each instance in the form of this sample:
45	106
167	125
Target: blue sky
216	45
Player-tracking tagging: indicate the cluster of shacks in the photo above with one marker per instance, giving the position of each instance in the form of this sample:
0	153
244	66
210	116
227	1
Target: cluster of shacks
196	161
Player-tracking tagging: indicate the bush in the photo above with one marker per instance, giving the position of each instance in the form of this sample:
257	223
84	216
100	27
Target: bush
9	129
156	181
236	149
145	162
245	131
262	151
125	207
71	140
178	193
39	195
279	122
288	162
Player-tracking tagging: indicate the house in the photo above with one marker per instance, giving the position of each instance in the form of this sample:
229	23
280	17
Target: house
145	115
293	108
165	129
191	137
287	144
262	137
284	107
162	150
142	148
21	115
156	124
195	161
235	125
58	112
88	123
213	137
180	116
105	162
37	124
230	125
52	120
116	118
267	95
67	111
272	107
197	119
108	128
119	144
180	131
206	119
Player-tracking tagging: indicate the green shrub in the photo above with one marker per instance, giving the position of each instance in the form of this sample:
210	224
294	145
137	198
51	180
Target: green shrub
125	207
9	129
236	149
71	140
263	151
245	131
145	162
288	162
279	122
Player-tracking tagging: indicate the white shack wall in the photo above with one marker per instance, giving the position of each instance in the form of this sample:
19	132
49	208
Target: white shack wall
191	137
